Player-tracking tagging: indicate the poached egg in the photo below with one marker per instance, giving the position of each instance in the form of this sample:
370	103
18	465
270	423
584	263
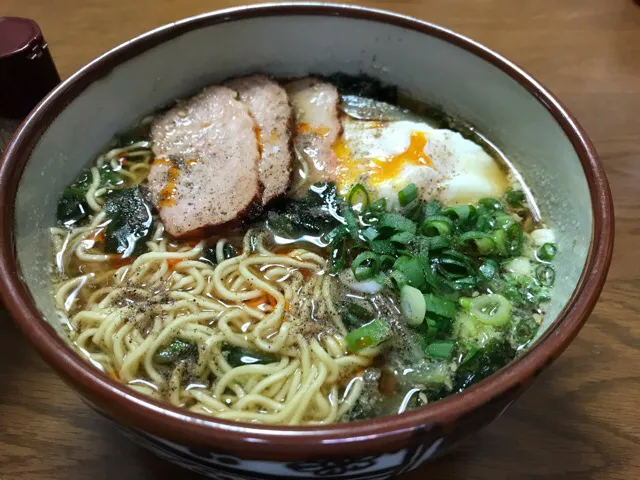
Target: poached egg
386	156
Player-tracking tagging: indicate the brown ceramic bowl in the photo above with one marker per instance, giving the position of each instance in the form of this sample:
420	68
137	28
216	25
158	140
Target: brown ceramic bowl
505	104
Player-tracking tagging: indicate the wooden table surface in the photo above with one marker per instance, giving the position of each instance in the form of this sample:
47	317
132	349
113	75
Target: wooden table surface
581	420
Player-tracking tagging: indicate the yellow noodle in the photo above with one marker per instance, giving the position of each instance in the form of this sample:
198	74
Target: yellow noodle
123	316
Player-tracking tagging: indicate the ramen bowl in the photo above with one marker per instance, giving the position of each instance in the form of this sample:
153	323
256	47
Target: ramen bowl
427	62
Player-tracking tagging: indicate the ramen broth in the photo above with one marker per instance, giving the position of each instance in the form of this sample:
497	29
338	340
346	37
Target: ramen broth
390	285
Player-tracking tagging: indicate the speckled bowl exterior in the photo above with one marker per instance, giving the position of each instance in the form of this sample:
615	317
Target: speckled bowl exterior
432	64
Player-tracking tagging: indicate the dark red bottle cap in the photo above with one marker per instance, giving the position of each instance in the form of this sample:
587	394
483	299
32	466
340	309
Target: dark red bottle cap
27	71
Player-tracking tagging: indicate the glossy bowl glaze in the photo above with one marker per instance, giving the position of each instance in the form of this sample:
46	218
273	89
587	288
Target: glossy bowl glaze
432	64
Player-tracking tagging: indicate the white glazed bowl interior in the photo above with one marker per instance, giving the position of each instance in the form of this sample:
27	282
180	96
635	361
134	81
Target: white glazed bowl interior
425	67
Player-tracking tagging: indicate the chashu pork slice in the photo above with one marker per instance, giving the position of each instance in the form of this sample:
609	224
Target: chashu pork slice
269	105
205	174
317	126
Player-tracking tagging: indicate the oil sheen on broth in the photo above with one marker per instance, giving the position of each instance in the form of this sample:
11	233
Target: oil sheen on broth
385	258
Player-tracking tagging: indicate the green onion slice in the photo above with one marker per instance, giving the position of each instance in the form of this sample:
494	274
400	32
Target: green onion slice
351	222
546	275
440	350
412	272
401	237
463	213
484	244
338	250
452	267
465	302
385	261
514	239
547	252
382	247
365	266
492	309
412	305
408	194
503	220
515	198
358	197
437	225
369	335
491	204
488	269
485	223
500	239
379	205
396	222
440	306
370	233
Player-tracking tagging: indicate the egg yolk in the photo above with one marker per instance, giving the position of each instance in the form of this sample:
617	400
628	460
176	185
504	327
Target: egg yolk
379	170
388	168
306	128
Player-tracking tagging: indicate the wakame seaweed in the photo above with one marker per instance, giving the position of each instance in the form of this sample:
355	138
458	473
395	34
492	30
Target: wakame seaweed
175	351
364	86
72	205
130	222
238	356
315	214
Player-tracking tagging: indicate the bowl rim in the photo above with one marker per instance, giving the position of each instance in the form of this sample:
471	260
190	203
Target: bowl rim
141	412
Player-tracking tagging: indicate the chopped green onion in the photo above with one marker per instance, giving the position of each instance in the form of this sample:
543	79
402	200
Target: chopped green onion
429	374
356	315
382	247
465	302
438	243
465	283
379	205
485	223
463	213
408	194
369	335
483	242
440	350
401	237
503	220
472	350
492	309
514	239
485	245
500	237
412	305
546	275
515	198
351	222
432	208
396	222
412	272
512	293
398	278
488	269
452	266
491	204
358	197
385	261
547	252
365	266
437	225
440	306
338	252
370	233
